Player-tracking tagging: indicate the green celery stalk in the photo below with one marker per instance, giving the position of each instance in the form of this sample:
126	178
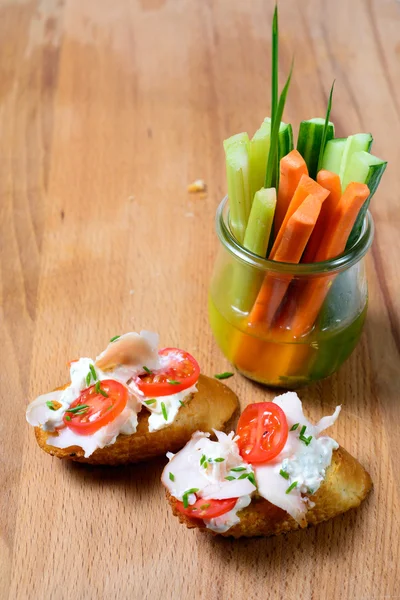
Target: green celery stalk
246	281
259	151
259	226
237	171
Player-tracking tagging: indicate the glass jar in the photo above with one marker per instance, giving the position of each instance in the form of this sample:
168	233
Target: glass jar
286	325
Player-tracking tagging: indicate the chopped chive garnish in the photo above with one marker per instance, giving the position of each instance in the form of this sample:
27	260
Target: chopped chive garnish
173	382
230	477
103	393
148	402
294	427
244	476
97	386
219	459
291	487
164	411
147	370
110	407
252	479
88	377
238	469
284	474
205	464
306	440
50	404
114	338
77	408
224	375
181	403
93	372
309	491
67	418
172	476
205	506
203	459
185	497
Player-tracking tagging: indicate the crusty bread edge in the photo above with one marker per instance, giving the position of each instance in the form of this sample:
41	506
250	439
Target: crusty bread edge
209	408
345	486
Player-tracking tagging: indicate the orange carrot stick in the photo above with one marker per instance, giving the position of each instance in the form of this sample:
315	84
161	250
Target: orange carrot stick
292	167
305	187
331	182
333	243
295	237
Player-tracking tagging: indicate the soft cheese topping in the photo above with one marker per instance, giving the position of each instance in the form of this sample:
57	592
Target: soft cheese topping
124	359
217	471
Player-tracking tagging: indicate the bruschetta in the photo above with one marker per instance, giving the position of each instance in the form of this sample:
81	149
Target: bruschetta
132	403
278	474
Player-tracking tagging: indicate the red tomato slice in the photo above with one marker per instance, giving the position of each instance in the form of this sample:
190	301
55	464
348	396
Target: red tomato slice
207	509
262	431
180	372
97	409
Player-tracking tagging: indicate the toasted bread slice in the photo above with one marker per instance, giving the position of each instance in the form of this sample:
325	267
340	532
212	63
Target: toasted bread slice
210	408
345	486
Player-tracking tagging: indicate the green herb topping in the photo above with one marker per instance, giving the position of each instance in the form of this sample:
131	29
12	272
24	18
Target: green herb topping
224	375
284	474
219	459
148	402
50	405
294	427
230	478
185	497
172	476
181	403
252	479
205	506
67	418
173	382
203	459
88	377
164	411
302	437
78	409
291	487
93	372
238	469
147	370
114	338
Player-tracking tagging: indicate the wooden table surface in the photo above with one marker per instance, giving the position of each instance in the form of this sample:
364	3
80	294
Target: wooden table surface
107	111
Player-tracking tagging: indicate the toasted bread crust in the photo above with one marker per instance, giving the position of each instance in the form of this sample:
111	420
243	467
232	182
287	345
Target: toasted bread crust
210	408
345	486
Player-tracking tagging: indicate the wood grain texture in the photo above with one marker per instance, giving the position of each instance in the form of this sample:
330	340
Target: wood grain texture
107	111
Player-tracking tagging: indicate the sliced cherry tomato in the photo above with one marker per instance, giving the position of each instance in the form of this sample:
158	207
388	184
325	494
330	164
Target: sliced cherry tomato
96	406
262	431
180	372
207	509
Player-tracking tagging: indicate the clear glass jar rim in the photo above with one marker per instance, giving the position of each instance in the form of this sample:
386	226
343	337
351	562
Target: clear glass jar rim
340	263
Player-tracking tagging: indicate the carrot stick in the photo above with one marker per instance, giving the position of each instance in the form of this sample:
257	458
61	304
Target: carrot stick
333	243
292	167
305	187
295	237
331	182
287	360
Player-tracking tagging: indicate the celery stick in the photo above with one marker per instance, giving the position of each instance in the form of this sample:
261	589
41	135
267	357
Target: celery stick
259	150
237	171
260	222
246	281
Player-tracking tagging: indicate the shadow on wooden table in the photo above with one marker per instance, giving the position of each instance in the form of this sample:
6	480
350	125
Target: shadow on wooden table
141	477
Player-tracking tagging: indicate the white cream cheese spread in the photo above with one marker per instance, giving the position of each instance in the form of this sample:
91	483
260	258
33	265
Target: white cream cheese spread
123	360
286	481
